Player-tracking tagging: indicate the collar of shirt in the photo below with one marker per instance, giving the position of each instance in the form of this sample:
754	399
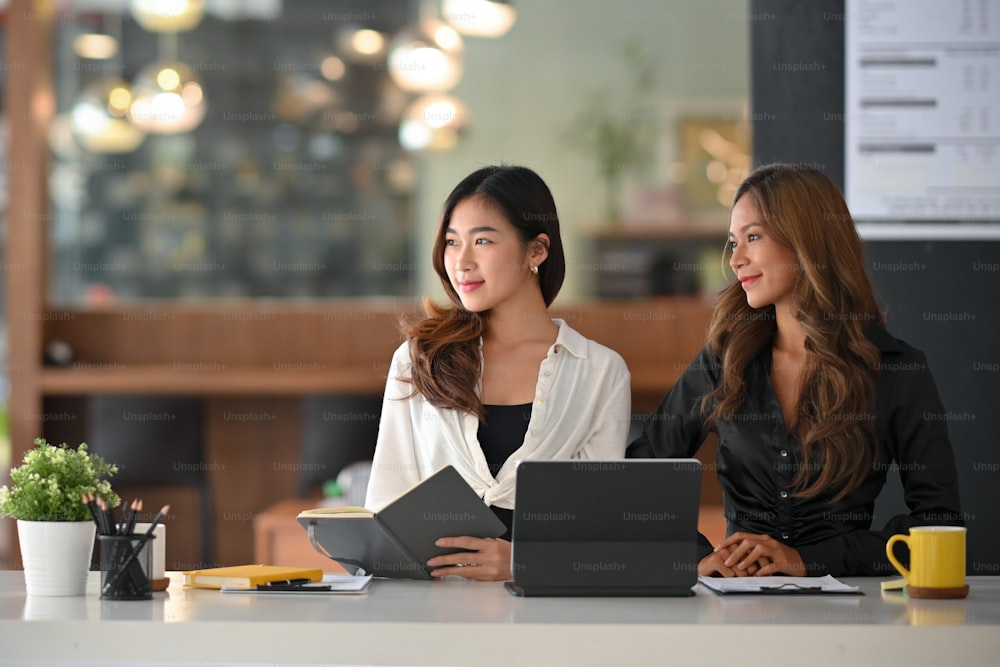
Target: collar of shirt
571	340
883	339
499	490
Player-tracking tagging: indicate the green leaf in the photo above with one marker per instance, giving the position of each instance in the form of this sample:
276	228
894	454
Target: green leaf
51	481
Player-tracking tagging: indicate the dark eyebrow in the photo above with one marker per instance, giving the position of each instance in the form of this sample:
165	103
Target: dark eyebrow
746	227
474	230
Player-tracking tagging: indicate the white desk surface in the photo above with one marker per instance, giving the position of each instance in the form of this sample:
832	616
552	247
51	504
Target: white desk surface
460	622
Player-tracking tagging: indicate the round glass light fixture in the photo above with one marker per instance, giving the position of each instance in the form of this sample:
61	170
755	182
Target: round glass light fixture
168	15
167	99
433	122
426	57
95	46
332	68
361	45
479	18
100	118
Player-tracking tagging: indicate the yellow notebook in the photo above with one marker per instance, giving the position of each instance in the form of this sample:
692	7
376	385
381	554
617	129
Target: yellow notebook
249	576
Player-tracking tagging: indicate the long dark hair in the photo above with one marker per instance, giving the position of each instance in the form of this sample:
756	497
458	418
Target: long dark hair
445	344
802	208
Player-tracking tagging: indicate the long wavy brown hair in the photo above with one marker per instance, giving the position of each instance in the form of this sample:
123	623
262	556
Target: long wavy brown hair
802	208
444	345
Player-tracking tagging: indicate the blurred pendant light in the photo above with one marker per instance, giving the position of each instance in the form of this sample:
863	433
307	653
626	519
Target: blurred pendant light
361	45
168	15
426	57
102	44
95	46
167	98
479	18
100	118
433	122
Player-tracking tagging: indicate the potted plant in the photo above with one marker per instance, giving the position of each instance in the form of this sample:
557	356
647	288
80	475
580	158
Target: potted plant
54	527
619	131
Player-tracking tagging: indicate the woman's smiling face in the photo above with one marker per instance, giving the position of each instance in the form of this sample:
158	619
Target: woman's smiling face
487	262
767	269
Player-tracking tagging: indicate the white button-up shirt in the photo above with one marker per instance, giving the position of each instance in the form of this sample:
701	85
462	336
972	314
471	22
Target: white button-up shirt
581	410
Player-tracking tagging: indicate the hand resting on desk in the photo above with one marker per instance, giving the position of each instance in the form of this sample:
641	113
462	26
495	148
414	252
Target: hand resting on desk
488	559
714	565
747	554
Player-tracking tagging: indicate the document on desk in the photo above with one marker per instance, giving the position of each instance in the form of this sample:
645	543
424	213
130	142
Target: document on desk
777	585
332	584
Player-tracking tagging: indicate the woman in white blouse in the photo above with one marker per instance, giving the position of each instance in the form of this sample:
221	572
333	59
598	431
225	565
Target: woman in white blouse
492	379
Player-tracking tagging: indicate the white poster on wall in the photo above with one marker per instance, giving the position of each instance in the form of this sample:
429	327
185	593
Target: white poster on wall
922	117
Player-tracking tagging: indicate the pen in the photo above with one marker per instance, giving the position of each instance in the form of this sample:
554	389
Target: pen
304	587
788	588
284	582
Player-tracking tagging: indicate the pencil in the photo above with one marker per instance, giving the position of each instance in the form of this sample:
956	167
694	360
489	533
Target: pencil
130	522
102	516
134	553
124	522
88	500
160	516
112	521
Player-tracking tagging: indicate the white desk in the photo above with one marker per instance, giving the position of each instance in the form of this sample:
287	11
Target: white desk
468	623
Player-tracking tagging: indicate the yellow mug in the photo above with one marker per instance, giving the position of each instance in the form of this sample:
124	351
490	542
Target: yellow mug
937	561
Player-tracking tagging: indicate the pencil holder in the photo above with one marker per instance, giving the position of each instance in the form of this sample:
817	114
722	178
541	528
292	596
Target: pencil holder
126	561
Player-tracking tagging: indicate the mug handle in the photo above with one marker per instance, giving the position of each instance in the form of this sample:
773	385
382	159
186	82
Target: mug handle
892	559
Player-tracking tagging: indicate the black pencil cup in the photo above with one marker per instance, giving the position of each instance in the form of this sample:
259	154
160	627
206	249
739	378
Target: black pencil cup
126	561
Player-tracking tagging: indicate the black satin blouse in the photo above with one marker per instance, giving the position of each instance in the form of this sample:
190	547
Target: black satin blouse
757	459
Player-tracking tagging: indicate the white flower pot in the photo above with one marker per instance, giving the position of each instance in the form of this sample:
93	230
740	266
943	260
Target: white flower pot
56	555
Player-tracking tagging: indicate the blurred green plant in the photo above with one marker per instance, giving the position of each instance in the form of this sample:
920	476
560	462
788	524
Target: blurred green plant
619	132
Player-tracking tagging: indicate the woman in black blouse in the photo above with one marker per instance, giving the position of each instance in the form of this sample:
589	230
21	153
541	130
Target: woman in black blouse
812	401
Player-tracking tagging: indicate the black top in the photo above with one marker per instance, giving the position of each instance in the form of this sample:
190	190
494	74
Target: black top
757	459
500	436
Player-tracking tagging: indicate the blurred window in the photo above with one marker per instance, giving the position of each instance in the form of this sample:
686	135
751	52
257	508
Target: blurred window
292	184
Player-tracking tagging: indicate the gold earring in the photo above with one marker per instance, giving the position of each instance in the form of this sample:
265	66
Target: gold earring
534	269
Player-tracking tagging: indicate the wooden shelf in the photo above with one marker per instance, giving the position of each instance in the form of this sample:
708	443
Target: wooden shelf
205	378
